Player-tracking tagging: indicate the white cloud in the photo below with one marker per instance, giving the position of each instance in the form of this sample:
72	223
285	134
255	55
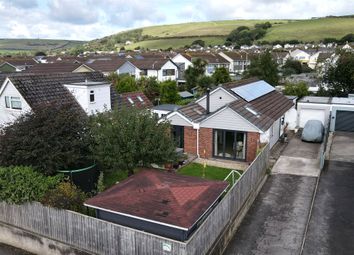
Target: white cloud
89	19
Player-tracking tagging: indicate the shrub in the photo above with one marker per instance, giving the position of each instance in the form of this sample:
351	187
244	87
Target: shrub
23	184
66	196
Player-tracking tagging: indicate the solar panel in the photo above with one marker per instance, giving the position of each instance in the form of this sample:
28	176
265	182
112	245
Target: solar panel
253	90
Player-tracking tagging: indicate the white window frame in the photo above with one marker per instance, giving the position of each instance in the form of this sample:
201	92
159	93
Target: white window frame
10	100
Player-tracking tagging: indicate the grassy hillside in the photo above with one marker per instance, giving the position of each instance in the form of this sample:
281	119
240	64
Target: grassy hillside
32	45
215	32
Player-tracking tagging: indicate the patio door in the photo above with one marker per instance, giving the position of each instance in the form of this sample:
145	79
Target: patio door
229	144
178	135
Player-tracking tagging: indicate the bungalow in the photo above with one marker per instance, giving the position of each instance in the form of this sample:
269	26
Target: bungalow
213	61
22	93
239	61
183	61
162	203
59	67
300	55
16	65
231	121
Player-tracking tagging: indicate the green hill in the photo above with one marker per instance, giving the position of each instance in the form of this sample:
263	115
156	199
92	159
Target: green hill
215	32
33	45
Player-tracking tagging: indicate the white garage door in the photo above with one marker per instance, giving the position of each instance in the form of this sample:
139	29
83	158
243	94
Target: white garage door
311	114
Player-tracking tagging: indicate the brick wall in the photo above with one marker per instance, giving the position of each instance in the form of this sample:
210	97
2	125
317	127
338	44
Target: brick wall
252	145
190	140
206	142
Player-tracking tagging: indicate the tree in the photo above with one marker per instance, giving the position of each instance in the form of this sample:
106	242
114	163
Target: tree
23	184
265	68
296	89
130	138
194	72
54	137
221	75
205	82
292	66
150	87
199	42
340	76
123	82
169	92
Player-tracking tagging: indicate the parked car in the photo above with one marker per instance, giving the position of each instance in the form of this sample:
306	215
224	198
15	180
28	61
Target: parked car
313	131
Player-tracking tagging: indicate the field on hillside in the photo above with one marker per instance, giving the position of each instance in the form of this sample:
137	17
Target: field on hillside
28	45
215	32
312	30
175	42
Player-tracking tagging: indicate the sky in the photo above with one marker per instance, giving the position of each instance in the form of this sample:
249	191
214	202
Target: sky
90	19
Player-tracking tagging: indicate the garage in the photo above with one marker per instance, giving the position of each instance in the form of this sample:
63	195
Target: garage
344	121
312	114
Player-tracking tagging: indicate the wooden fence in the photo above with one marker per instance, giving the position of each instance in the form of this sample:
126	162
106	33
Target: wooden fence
101	237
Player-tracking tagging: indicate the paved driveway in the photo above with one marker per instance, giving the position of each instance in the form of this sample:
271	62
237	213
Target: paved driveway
276	222
299	158
331	228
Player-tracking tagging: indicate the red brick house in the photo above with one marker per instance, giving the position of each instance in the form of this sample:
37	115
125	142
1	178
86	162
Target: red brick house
231	121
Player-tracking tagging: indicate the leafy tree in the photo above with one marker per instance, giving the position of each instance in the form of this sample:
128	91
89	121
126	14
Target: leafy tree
23	184
293	66
66	196
130	138
53	138
265	25
296	89
221	75
123	82
194	72
150	87
199	42
205	82
347	38
40	54
169	92
340	77
265	68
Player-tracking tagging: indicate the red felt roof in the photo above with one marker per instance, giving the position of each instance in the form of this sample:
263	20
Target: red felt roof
160	196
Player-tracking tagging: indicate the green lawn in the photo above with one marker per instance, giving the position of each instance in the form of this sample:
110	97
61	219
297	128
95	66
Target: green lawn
211	172
111	178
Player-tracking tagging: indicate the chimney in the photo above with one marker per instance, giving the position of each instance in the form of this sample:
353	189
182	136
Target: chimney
208	101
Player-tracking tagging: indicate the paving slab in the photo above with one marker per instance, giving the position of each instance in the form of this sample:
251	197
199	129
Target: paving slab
297	166
342	148
298	148
276	222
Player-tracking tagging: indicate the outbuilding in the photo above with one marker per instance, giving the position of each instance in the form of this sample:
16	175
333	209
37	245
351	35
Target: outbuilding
159	202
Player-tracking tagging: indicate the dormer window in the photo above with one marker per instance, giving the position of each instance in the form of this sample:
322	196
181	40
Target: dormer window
13	103
92	96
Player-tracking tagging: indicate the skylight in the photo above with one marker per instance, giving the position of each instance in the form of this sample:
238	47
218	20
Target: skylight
130	100
140	99
252	111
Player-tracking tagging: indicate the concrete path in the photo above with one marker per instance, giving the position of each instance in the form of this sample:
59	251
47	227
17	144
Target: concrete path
331	228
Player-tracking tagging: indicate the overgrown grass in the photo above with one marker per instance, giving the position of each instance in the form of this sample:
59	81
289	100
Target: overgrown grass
211	172
111	178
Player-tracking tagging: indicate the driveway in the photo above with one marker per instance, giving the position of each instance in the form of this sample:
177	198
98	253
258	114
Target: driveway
331	228
299	158
277	220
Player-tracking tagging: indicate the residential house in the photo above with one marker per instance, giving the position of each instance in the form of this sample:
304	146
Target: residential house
23	93
130	99
213	61
183	61
163	109
231	121
109	65
300	55
239	61
16	65
159	202
59	67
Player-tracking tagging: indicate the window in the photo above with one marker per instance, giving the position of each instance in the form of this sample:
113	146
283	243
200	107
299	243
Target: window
13	102
143	72
168	72
92	96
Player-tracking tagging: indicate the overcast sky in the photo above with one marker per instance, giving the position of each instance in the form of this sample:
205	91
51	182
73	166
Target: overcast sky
90	19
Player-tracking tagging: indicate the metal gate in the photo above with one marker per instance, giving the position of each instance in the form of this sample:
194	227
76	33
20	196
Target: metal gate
344	121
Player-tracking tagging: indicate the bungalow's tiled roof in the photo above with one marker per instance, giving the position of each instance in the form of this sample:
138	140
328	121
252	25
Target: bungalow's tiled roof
39	89
59	67
212	58
111	65
160	196
193	112
149	64
19	61
130	99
